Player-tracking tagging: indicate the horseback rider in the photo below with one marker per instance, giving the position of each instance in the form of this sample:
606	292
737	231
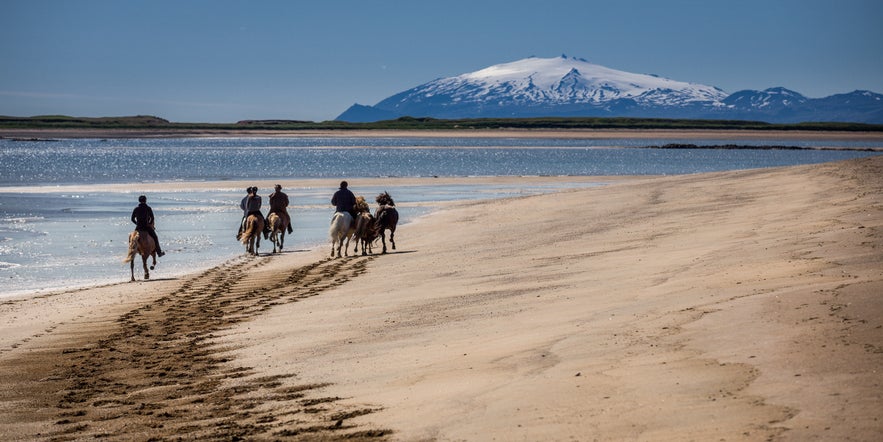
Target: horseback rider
143	219
250	205
279	205
344	200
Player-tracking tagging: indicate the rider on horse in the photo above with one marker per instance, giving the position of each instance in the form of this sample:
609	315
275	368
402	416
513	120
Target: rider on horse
279	205
250	205
344	200
143	219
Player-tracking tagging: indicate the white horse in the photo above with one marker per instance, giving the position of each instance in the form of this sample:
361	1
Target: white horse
340	230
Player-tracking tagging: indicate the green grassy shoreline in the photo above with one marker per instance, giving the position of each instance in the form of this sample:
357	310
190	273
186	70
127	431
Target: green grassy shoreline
408	123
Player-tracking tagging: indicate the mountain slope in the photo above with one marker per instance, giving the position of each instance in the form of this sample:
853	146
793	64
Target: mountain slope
562	86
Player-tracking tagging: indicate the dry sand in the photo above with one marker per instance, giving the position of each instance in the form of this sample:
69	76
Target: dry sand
727	306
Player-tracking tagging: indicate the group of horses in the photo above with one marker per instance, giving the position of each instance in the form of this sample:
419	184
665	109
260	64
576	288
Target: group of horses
254	225
365	229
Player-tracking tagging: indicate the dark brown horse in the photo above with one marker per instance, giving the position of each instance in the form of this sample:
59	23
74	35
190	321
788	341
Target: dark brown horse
141	243
386	217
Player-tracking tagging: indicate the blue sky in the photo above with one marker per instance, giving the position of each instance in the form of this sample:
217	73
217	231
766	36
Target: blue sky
224	61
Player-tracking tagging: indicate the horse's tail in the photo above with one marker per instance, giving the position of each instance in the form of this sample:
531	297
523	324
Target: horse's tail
275	221
251	228
280	223
133	246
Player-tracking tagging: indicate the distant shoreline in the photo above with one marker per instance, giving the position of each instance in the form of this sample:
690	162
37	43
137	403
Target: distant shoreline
36	135
65	133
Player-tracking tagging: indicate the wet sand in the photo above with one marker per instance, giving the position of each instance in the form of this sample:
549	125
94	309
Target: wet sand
738	305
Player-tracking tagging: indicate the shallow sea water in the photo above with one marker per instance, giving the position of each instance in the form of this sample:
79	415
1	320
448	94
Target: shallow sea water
53	240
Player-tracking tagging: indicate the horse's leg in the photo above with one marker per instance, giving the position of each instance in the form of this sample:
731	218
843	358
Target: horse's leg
132	268
144	262
340	246
392	237
383	239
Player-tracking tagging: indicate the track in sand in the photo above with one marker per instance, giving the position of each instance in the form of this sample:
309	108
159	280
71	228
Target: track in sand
157	372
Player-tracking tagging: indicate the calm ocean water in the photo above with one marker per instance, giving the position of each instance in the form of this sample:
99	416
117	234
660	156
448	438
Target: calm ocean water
52	239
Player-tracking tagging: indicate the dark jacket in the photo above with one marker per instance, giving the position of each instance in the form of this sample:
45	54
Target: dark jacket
278	202
142	217
344	200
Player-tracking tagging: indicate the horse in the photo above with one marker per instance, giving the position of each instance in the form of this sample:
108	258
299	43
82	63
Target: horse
365	232
251	234
140	242
278	226
341	225
386	217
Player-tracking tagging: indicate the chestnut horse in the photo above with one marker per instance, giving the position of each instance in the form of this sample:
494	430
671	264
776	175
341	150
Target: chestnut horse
365	232
278	227
251	234
386	217
141	243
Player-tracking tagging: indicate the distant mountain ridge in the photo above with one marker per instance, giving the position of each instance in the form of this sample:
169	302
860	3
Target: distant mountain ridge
573	87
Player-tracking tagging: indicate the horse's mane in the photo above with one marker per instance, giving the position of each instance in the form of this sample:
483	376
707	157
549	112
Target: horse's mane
361	204
385	200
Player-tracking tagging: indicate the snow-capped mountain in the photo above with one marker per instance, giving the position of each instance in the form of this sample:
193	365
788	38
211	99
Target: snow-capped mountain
780	105
568	86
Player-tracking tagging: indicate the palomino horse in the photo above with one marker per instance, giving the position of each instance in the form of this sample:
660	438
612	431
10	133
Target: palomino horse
251	234
140	243
386	217
339	231
278	227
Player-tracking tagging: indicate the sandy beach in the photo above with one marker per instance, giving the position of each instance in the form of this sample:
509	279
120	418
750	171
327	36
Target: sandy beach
724	306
